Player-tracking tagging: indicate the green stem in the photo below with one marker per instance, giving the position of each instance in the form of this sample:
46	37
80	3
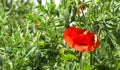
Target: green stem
81	62
91	58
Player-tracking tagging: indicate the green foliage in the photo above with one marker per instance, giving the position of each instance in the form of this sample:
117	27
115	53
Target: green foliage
31	37
68	57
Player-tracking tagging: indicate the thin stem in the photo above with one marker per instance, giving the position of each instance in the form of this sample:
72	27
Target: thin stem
91	58
81	61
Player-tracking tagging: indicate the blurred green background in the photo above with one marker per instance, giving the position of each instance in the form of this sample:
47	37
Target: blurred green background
31	34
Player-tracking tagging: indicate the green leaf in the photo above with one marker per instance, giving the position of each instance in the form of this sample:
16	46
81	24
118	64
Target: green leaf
73	66
31	51
97	1
41	43
68	57
42	8
62	50
67	66
87	67
57	12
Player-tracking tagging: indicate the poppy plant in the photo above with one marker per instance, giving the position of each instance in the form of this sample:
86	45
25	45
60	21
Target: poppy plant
81	9
80	39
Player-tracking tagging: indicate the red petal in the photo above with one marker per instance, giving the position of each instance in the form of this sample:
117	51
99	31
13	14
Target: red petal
76	39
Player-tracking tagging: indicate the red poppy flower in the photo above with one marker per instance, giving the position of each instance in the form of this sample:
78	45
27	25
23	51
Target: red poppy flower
80	39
